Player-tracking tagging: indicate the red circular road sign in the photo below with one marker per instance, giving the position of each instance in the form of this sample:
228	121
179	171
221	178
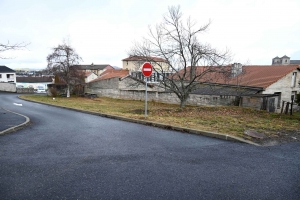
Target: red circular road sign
147	69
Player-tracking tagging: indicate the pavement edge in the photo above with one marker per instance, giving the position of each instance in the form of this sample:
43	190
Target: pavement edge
18	127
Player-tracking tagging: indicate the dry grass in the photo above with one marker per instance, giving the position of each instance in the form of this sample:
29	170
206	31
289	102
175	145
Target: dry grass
229	120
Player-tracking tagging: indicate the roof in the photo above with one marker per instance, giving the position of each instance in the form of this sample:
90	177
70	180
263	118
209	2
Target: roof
143	58
112	73
293	62
34	79
4	69
211	74
263	75
92	67
253	75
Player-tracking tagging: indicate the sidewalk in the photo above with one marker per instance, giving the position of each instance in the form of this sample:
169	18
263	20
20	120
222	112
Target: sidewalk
11	121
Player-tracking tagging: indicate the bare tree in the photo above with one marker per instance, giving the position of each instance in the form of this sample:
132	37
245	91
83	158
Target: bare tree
9	47
177	41
62	62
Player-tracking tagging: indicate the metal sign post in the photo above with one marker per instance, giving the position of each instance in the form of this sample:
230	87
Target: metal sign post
146	98
147	71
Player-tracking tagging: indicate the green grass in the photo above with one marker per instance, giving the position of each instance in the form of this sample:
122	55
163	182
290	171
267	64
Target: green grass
228	120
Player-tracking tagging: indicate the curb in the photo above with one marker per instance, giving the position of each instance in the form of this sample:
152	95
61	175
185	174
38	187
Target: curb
18	127
160	125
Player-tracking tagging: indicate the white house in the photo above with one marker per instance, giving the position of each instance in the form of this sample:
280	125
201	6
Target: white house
7	75
281	80
7	79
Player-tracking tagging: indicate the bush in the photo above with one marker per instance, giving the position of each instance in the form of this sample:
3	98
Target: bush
53	91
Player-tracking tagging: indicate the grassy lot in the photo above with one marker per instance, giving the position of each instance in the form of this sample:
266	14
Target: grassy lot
229	120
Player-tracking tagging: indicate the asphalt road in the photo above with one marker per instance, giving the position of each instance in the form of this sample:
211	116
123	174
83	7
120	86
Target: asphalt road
65	154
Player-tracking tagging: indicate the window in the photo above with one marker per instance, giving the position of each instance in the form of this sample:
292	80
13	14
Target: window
0	75
294	76
279	99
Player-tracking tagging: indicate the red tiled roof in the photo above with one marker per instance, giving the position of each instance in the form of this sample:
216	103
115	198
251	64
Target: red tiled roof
263	75
212	74
253	75
142	58
112	73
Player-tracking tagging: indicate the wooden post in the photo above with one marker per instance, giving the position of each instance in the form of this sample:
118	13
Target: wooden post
287	108
291	113
282	107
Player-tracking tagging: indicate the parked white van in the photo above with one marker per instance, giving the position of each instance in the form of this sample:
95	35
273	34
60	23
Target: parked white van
40	89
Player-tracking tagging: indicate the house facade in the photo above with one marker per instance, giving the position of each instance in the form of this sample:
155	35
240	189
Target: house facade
278	80
7	75
90	76
39	83
284	60
7	79
95	68
134	63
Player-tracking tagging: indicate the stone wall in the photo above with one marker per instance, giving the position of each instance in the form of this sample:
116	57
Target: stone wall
112	83
25	90
130	89
165	97
8	87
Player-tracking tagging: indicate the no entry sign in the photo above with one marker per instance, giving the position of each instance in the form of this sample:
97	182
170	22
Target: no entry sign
147	69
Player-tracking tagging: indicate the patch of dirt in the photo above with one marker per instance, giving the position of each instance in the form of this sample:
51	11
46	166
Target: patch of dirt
279	138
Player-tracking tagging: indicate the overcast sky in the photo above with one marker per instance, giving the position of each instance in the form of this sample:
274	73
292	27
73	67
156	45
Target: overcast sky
102	32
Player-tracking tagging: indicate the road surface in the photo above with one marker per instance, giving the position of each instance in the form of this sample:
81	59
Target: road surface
65	154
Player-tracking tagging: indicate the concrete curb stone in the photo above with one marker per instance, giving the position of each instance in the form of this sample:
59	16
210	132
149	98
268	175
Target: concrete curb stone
160	125
18	127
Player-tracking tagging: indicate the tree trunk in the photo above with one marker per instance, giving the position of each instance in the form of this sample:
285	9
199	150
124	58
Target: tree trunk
68	91
183	102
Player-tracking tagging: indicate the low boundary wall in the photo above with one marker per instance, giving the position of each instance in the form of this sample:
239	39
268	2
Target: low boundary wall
8	87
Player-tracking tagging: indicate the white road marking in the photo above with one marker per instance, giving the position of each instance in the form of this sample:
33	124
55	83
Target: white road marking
18	104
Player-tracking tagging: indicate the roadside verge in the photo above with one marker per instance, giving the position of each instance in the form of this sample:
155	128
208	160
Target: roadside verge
160	125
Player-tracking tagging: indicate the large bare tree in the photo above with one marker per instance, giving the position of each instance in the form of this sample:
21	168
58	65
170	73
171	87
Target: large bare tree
8	47
177	41
62	62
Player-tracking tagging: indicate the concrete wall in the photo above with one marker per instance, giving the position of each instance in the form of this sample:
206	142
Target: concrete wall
112	83
166	97
129	88
8	87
